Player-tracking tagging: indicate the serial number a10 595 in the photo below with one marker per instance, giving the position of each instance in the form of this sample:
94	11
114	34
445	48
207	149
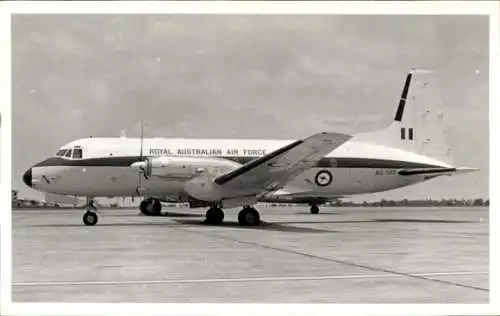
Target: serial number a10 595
385	172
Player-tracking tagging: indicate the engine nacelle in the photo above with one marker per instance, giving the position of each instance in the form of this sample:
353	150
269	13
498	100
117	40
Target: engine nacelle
184	167
203	188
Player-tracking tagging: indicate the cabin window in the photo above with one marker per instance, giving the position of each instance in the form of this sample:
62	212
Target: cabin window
410	134
403	133
77	153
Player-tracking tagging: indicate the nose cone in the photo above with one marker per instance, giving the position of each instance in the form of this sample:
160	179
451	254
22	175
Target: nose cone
27	177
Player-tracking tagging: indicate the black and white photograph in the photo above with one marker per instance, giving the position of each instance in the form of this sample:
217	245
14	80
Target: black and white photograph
250	158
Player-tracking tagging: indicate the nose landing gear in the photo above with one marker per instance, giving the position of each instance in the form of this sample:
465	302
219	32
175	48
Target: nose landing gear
90	217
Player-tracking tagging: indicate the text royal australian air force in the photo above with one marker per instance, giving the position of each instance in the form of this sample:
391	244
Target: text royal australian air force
214	152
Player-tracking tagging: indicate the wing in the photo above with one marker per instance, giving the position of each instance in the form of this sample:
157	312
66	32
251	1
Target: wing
274	170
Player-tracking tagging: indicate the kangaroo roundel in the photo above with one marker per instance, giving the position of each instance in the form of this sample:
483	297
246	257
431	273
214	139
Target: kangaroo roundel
323	178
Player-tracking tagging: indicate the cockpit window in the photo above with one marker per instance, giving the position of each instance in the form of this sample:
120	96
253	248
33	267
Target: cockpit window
60	152
77	153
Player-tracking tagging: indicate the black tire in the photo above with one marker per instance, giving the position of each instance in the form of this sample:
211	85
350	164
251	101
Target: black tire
90	218
157	207
150	207
214	216
314	209
144	208
249	217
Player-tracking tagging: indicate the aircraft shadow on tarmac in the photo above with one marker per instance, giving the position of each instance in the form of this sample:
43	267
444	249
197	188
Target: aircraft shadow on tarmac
263	226
163	214
108	225
179	219
283	227
320	214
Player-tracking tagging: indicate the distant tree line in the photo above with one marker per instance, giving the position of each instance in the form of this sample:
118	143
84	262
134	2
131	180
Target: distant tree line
21	203
406	202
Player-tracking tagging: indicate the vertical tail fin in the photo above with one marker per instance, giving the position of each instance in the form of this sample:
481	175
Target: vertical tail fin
402	101
418	124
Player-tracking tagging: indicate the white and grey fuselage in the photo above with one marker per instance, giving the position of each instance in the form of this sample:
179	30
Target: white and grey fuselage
101	167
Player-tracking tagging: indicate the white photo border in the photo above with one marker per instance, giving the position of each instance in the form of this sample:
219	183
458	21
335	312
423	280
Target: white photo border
7	9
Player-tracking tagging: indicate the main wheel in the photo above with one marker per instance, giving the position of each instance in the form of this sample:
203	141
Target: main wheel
214	216
150	207
249	216
156	207
314	209
90	218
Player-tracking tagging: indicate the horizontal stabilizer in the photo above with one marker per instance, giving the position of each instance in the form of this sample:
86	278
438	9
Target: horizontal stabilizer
435	171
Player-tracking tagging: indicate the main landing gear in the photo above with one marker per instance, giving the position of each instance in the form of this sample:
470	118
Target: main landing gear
248	216
90	216
150	207
214	216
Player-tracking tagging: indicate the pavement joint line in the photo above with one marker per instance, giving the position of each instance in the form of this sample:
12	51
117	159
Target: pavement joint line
344	262
236	280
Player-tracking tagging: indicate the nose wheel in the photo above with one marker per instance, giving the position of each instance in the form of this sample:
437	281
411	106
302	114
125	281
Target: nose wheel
90	218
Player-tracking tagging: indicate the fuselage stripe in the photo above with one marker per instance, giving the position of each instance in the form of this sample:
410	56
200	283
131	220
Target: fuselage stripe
327	162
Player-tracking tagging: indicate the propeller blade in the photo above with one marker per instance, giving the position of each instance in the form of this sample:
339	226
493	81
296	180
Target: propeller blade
141	164
139	187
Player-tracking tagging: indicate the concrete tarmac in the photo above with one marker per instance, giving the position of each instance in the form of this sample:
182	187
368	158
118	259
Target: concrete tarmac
342	255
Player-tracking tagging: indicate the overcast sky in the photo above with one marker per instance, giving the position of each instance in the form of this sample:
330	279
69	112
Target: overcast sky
244	76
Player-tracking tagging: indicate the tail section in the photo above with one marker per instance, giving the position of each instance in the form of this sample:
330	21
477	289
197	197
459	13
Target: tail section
418	124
